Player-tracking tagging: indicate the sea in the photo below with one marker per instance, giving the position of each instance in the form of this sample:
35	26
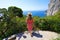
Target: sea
35	13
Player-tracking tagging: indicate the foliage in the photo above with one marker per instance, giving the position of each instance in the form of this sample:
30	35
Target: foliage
15	11
50	23
13	22
9	23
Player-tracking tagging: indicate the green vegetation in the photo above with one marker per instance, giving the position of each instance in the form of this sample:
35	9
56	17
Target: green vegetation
13	22
50	23
14	11
10	21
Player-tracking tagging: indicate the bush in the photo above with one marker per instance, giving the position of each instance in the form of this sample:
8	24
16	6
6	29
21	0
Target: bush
50	23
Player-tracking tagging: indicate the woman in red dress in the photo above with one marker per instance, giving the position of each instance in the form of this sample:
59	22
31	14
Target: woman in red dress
29	21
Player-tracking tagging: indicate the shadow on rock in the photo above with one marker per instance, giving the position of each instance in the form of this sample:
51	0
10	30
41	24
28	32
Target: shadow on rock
21	35
37	35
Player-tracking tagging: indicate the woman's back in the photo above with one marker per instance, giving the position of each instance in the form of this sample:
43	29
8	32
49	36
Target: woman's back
30	21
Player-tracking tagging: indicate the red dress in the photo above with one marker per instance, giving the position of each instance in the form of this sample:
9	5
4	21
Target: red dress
30	25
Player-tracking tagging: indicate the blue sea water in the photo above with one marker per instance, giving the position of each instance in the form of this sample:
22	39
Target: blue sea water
36	13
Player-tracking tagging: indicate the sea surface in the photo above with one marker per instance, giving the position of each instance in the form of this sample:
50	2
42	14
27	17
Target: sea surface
36	13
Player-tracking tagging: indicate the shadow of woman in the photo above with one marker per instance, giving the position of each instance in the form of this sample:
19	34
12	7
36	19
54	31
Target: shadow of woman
21	35
34	34
37	35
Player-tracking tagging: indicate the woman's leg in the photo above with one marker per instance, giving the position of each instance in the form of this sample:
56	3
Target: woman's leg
31	33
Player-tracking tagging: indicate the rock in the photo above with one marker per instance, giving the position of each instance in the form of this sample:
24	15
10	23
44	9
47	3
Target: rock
41	35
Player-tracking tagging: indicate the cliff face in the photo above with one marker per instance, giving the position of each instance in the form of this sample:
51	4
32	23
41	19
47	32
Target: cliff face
53	7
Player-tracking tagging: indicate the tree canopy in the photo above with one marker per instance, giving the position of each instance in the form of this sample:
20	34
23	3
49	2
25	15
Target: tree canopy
8	22
16	11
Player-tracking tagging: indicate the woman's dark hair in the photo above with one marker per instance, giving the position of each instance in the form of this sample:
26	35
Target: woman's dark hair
30	16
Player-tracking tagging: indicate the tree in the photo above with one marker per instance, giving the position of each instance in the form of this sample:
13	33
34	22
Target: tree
3	21
9	23
15	11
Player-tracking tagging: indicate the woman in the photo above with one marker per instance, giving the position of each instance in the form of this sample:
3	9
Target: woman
29	21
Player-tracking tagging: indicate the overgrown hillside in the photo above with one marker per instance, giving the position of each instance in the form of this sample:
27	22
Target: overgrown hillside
13	22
